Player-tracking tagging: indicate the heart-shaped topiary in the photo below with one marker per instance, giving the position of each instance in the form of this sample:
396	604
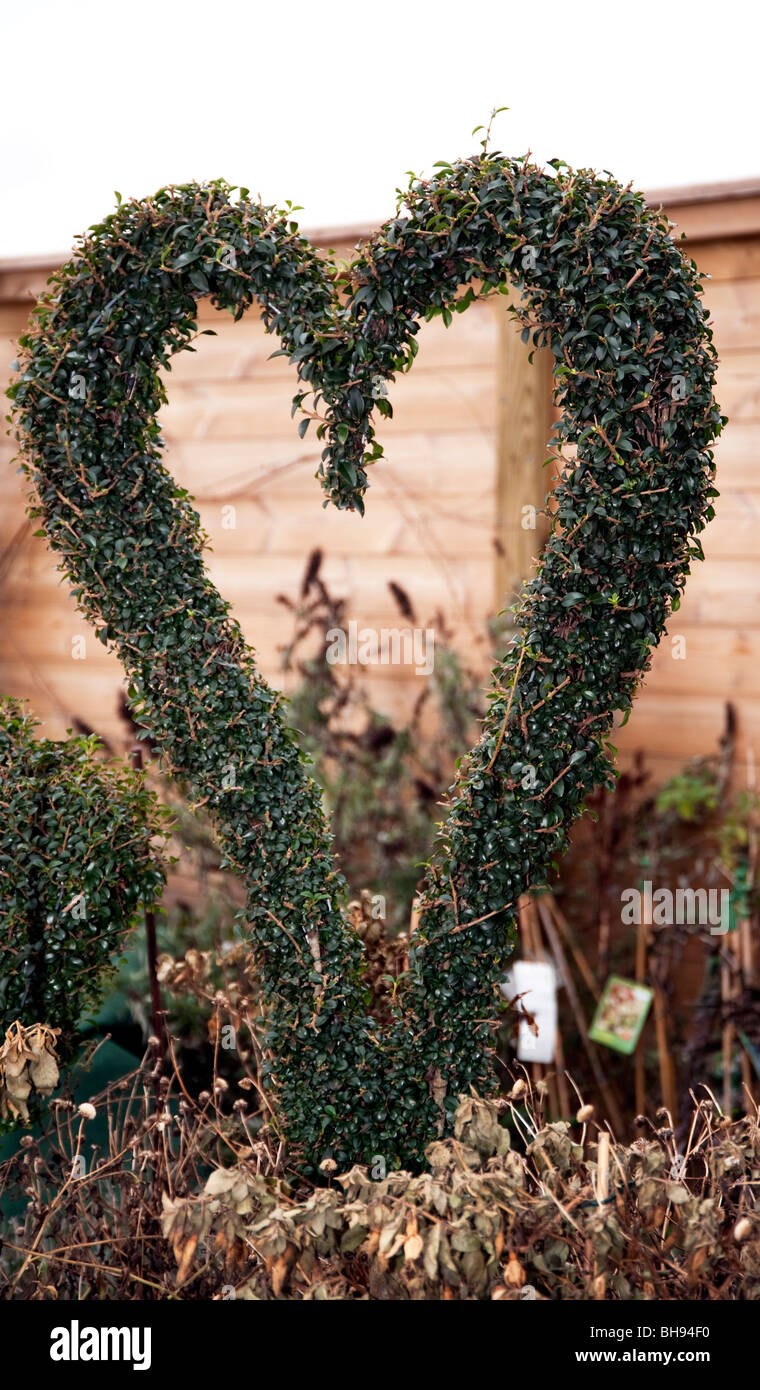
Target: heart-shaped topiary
606	288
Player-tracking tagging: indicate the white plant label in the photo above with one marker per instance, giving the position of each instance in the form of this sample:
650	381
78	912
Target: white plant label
536	981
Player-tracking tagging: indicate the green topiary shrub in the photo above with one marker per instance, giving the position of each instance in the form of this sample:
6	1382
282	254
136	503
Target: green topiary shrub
607	289
77	865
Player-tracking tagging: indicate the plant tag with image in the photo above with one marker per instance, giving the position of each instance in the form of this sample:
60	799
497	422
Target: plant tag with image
621	1014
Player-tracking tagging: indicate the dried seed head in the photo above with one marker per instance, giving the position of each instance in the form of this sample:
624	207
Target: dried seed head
43	1070
584	1114
742	1229
328	1165
517	1089
87	1111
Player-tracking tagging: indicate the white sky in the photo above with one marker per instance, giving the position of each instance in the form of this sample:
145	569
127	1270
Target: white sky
329	103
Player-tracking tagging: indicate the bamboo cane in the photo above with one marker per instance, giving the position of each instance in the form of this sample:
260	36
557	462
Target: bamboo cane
603	1167
667	1069
727	1039
575	950
564	1094
747	952
605	1089
602	1193
639	1068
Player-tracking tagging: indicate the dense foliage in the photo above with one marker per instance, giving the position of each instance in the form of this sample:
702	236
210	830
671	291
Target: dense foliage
607	289
77	865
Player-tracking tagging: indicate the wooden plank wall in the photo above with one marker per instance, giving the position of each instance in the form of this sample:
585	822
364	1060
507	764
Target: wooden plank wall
680	712
442	517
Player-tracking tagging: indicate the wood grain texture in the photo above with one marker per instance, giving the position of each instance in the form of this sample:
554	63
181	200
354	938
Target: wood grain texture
524	405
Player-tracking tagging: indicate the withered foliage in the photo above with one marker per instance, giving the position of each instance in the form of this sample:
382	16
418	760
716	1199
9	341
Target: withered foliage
491	1221
80	1203
28	1062
186	1201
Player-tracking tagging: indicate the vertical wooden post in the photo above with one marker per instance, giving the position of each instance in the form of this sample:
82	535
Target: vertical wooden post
156	1004
525	414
